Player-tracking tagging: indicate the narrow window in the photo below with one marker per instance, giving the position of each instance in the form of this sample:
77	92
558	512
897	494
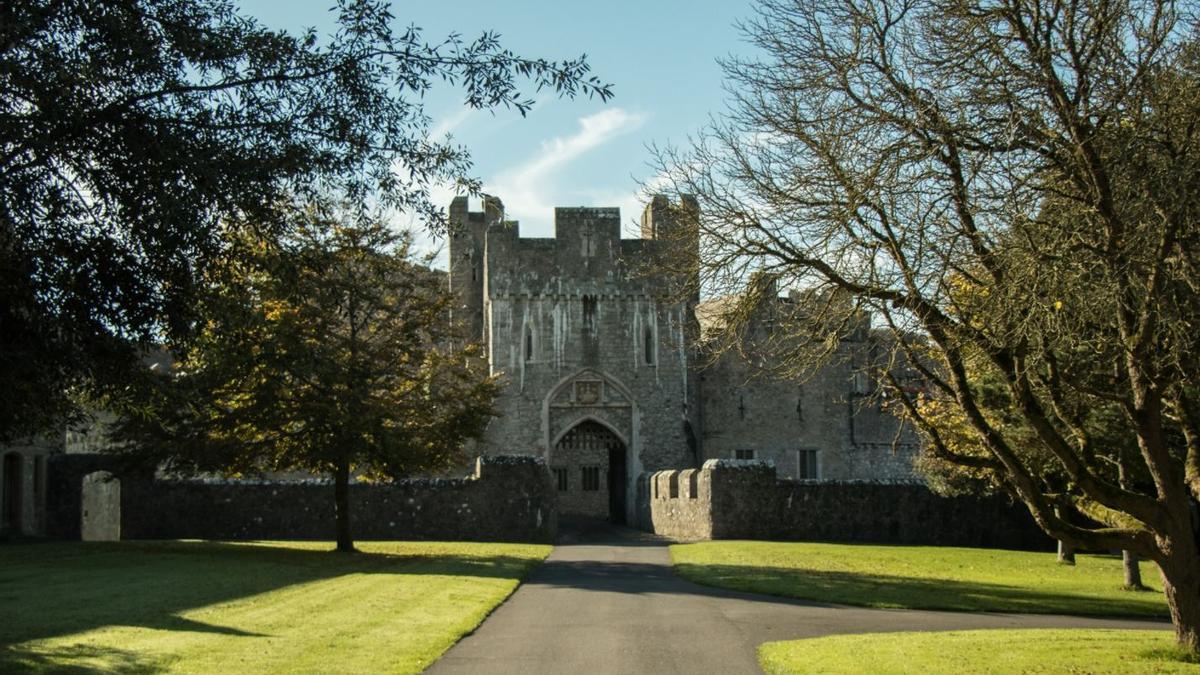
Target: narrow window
560	478
528	344
862	383
591	478
589	314
649	346
806	464
743	453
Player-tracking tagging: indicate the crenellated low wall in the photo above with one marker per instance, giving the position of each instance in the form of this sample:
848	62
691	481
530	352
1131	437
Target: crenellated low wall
731	499
506	498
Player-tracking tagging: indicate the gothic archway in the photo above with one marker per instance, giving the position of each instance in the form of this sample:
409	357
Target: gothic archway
590	465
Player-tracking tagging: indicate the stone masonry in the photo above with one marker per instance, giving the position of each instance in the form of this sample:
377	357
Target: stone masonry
502	499
736	499
602	369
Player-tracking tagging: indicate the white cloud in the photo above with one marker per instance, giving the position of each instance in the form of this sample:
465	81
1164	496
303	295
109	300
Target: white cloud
631	202
448	124
528	189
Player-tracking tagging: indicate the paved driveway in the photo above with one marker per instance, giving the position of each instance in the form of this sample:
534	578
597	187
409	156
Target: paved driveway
612	605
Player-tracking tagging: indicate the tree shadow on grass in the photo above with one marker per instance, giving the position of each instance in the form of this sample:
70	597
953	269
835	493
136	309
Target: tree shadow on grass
75	660
884	591
55	590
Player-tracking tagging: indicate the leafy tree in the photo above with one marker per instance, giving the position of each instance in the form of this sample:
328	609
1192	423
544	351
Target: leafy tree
1044	153
129	129
328	351
1103	423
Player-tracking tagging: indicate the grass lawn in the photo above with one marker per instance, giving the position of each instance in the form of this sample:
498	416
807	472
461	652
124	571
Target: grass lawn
260	607
921	577
980	651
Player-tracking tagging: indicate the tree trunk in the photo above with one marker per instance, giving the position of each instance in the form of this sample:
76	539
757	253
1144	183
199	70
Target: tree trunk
341	498
1181	584
1066	553
1133	573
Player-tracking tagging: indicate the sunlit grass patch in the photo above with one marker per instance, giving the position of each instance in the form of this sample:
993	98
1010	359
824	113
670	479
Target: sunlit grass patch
920	577
247	607
980	651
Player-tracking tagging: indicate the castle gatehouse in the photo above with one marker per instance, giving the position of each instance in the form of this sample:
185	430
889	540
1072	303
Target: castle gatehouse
604	377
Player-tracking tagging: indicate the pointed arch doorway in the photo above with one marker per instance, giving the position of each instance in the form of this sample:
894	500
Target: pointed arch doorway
591	469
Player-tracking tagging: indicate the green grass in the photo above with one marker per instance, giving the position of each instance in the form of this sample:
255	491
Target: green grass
920	577
980	651
260	607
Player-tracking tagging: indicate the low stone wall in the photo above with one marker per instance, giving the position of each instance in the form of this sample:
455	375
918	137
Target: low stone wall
505	499
64	487
729	499
680	504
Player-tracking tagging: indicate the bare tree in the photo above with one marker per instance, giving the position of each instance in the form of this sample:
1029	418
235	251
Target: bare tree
1014	181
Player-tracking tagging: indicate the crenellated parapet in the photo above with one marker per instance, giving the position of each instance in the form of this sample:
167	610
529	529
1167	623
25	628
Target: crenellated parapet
745	499
586	256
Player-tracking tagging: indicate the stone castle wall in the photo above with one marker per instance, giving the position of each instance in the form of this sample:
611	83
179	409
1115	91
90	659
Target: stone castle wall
745	500
505	499
833	415
579	336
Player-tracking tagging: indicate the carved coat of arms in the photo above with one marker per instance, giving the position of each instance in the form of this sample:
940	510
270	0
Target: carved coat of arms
587	392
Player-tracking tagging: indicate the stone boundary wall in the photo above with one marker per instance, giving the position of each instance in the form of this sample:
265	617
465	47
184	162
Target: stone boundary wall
731	499
507	498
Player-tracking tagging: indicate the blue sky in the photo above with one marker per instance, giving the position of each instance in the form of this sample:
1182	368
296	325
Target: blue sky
660	57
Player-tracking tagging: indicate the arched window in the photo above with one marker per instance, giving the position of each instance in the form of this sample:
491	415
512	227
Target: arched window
648	338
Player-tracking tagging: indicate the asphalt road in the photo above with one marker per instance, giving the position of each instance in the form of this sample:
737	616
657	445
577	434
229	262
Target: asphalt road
609	603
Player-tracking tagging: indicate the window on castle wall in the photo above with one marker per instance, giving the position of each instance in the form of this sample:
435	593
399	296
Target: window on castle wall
743	453
862	383
528	344
591	478
806	464
649	347
589	314
560	478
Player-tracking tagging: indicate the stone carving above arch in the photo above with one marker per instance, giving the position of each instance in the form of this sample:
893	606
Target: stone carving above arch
591	389
590	394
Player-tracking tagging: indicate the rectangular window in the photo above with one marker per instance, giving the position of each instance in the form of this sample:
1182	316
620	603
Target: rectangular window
591	478
743	453
862	383
806	464
560	478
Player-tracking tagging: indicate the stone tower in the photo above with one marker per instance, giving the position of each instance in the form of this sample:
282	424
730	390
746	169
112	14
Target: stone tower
467	260
597	353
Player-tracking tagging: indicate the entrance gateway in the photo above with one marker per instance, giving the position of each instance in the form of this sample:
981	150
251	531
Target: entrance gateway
591	472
